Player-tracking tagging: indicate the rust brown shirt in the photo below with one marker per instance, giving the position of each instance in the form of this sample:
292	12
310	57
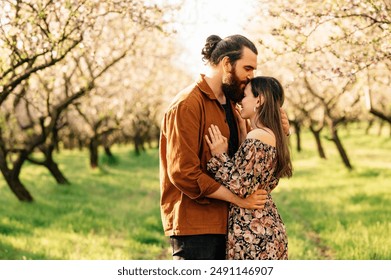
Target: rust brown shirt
184	180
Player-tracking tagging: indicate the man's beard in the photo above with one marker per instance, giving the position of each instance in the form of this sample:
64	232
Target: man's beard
232	87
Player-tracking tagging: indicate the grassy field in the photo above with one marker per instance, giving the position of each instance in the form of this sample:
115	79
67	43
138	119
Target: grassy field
333	213
108	213
113	212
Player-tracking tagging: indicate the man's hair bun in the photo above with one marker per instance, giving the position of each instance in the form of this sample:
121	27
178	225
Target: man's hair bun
210	45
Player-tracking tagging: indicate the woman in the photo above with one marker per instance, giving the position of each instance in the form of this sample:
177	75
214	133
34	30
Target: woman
262	159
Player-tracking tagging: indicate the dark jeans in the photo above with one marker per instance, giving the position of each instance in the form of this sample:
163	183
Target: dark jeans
198	247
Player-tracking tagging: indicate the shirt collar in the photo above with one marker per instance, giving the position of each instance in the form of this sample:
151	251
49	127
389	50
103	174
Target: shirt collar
204	87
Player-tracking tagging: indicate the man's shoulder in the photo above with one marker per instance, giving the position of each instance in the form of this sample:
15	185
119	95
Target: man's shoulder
189	96
191	91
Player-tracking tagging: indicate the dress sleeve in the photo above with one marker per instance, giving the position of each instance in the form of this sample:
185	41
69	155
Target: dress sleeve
239	173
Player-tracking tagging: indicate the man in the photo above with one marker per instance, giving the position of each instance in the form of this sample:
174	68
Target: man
194	206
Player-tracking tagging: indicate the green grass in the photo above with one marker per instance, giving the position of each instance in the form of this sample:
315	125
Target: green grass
107	213
333	213
113	212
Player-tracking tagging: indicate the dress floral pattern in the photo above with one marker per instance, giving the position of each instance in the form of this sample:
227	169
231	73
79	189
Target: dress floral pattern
252	234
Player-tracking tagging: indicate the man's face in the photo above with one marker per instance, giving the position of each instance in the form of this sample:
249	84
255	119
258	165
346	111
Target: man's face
235	81
233	86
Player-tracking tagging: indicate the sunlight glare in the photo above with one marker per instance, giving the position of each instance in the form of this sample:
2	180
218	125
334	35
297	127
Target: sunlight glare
199	19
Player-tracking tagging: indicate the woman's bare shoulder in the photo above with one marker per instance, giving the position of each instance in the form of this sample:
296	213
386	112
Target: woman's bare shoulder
264	135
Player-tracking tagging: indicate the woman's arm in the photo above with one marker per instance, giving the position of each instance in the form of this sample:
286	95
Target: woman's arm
239	173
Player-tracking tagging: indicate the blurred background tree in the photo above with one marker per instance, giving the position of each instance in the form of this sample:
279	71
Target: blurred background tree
332	56
79	70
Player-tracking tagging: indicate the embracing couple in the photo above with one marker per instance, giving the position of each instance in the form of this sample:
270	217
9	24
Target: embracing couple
223	149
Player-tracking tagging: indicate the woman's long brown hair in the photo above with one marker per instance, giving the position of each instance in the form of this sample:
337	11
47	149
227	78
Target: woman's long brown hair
269	115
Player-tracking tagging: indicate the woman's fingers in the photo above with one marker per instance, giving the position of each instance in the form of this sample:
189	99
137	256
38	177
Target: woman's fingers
211	134
216	141
216	130
215	135
208	141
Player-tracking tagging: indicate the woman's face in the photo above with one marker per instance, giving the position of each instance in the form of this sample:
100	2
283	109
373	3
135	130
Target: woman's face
249	102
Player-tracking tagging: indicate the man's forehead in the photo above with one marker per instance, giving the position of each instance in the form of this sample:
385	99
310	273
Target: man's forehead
249	58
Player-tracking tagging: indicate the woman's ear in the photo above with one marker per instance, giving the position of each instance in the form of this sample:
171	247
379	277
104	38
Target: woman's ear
260	100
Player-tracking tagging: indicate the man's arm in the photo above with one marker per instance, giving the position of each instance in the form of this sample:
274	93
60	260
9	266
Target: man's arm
181	128
254	201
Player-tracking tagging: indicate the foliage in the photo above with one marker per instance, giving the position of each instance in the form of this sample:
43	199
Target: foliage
332	26
329	55
331	44
71	70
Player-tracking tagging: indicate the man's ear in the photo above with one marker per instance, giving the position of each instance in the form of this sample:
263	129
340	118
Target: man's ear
227	67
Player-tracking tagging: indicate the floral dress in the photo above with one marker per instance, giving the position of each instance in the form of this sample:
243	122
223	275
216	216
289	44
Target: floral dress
252	234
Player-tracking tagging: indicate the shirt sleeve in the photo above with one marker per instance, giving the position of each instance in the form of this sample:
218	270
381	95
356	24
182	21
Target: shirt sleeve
240	173
182	127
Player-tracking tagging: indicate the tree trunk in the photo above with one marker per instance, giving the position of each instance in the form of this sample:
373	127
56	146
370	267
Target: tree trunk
93	147
373	111
11	176
341	150
17	187
380	115
318	141
49	162
55	142
80	144
297	127
56	173
369	126
138	145
51	165
380	128
157	136
108	151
